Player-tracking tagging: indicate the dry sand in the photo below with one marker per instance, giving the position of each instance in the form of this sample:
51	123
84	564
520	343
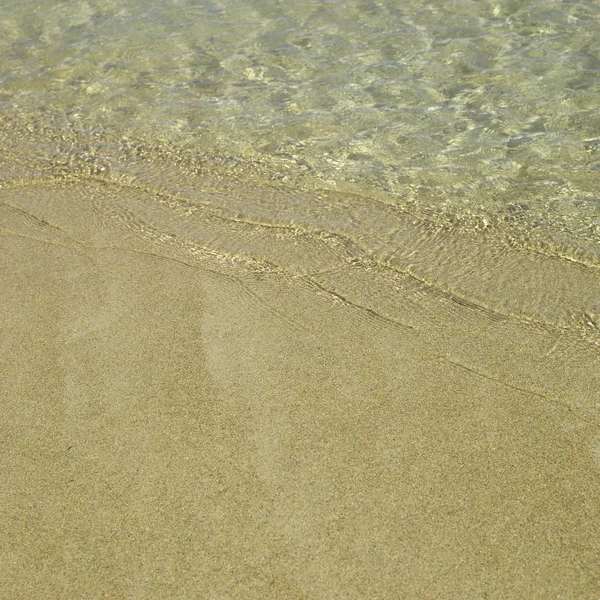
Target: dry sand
174	430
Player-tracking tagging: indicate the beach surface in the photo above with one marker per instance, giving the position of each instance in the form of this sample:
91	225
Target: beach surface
270	418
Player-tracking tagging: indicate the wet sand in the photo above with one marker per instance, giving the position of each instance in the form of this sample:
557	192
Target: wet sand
186	425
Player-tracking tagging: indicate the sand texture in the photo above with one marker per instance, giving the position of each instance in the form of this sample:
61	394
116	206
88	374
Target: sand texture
205	404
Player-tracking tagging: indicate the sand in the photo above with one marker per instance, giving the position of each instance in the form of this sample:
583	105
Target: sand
185	426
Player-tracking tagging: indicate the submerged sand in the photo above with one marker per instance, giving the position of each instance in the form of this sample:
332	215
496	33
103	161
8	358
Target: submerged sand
179	421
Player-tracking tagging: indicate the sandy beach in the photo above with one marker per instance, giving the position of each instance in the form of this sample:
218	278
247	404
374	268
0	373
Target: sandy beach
299	300
178	425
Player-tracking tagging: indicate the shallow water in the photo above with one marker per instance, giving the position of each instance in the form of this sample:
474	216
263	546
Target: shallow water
477	119
343	257
478	112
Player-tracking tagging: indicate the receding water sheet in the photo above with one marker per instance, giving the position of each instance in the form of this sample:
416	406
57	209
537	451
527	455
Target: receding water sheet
299	301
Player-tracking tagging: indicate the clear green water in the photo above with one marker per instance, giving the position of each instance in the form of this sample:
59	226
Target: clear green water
466	108
395	127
